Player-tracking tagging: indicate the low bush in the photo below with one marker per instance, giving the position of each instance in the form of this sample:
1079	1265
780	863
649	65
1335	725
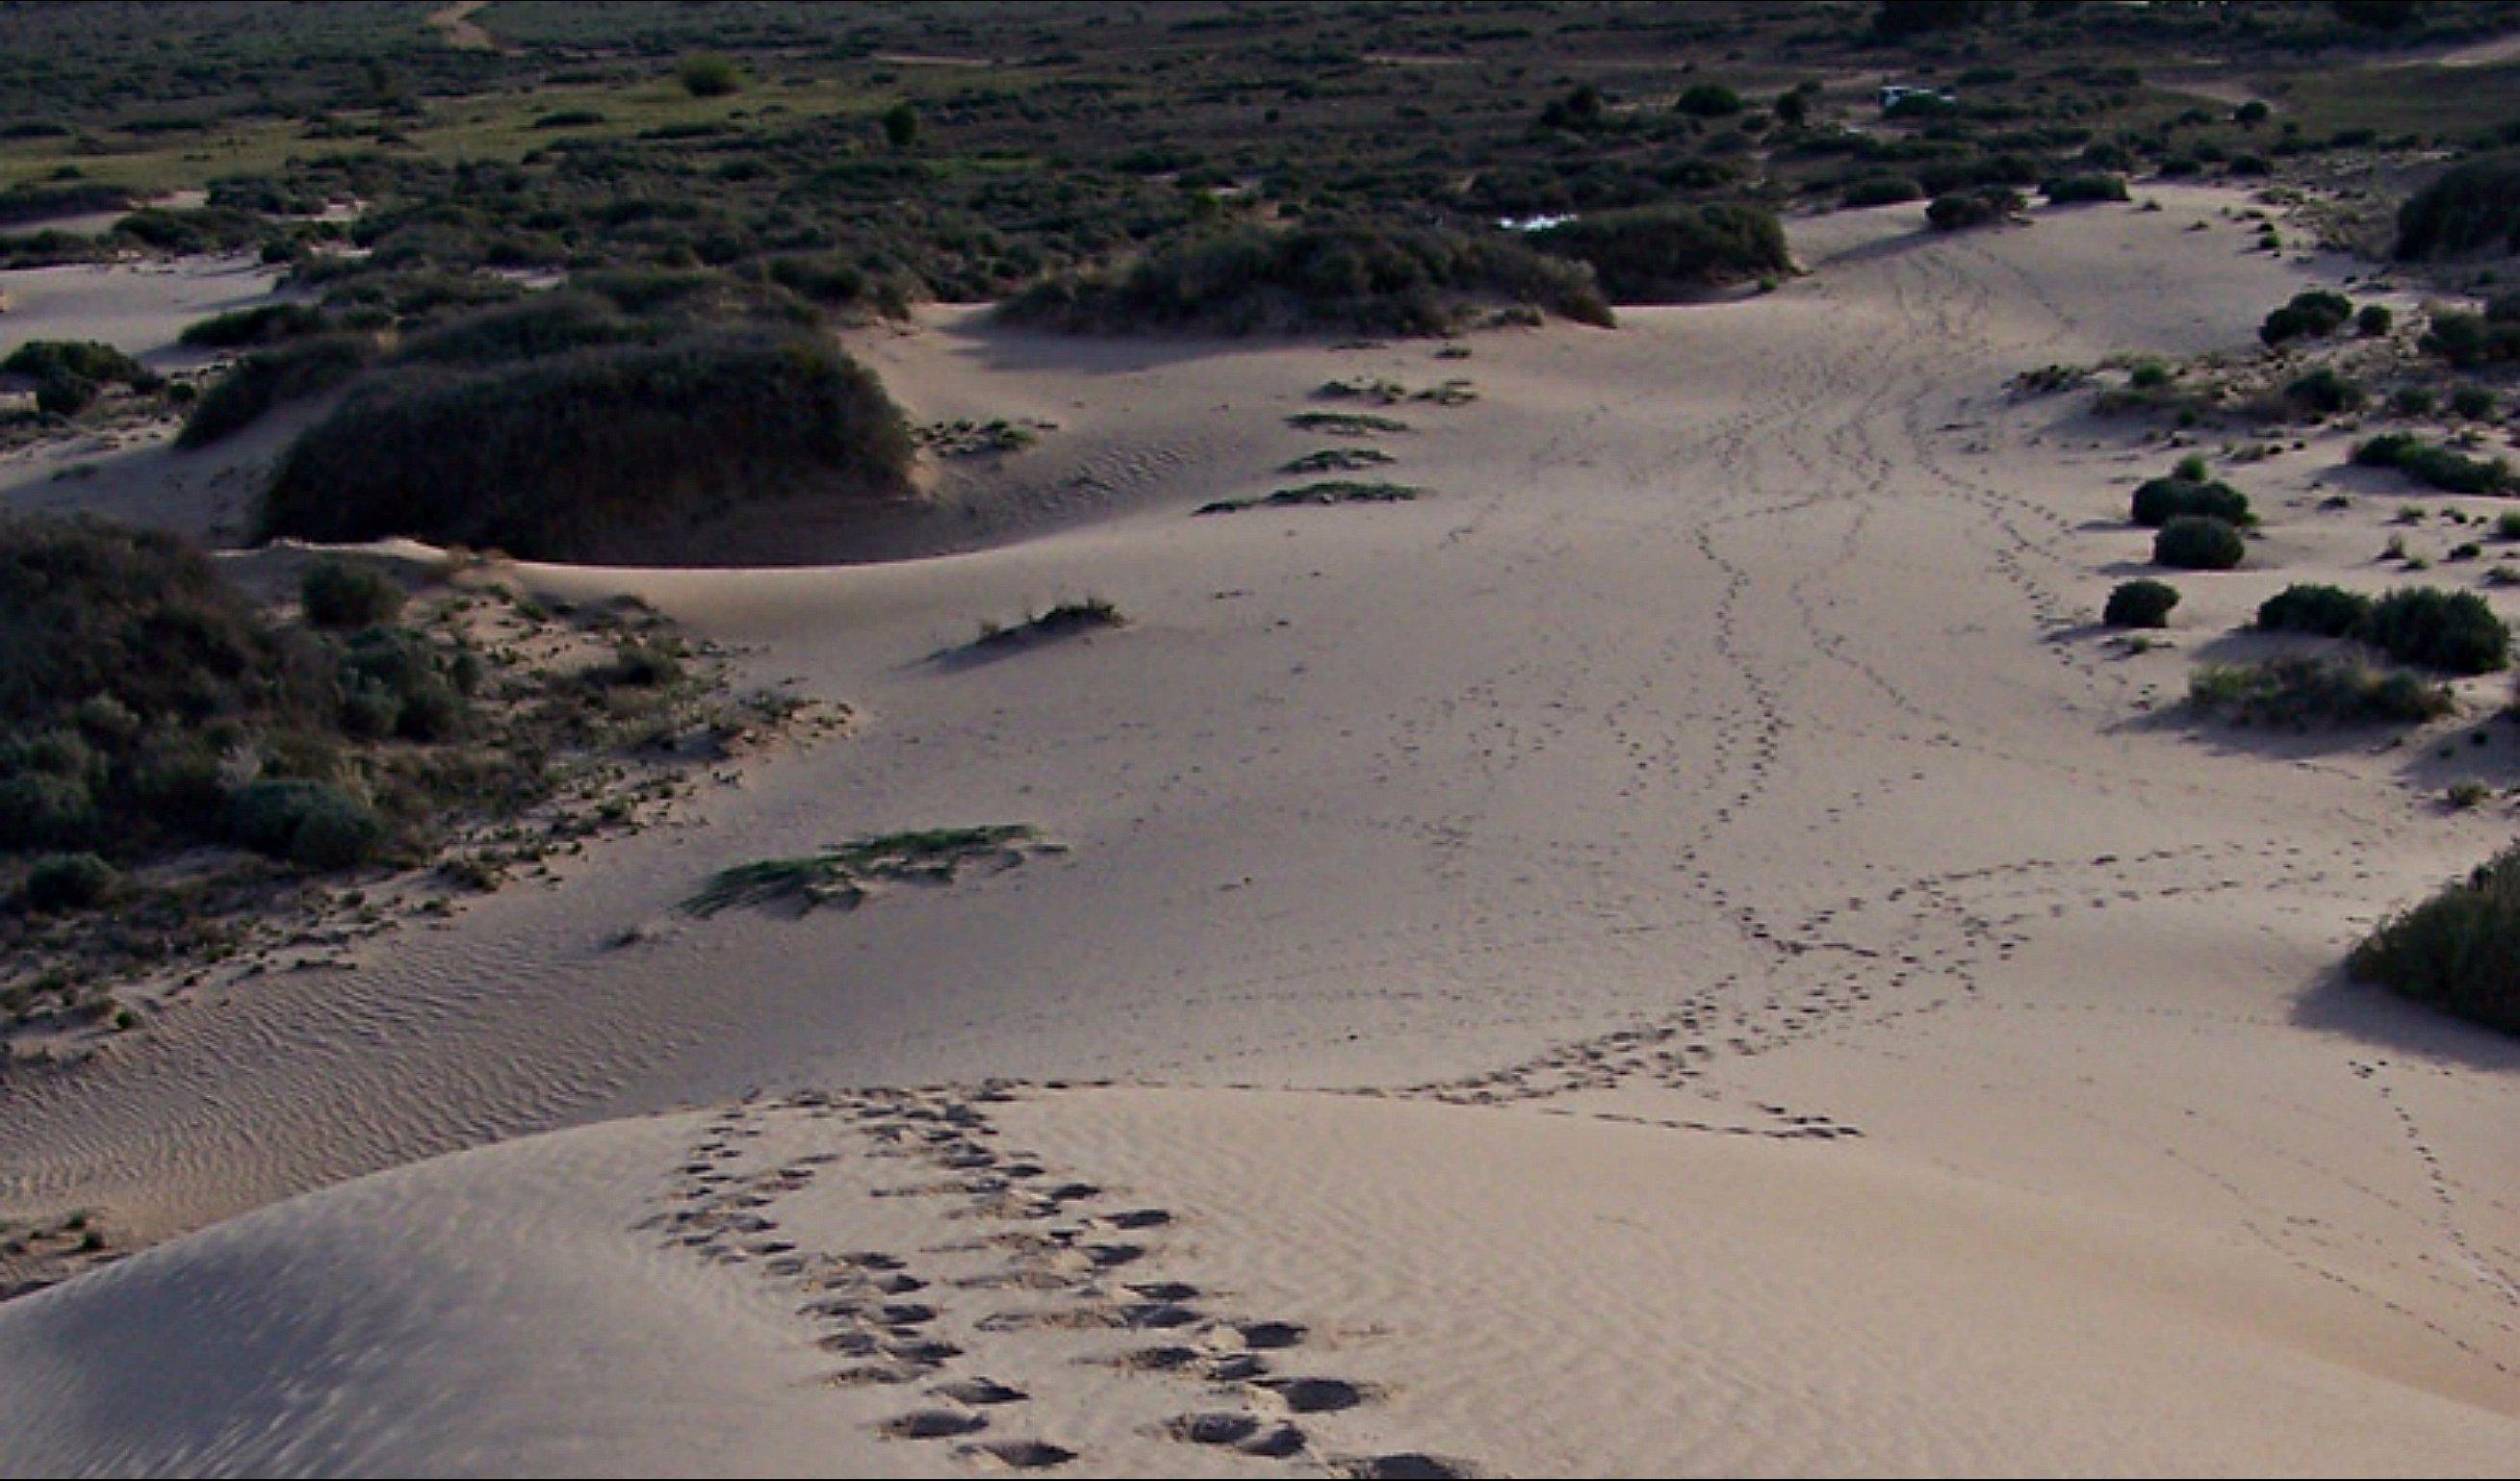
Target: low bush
2431	463
1708	100
547	457
2327	611
2198	541
2309	315
2470	341
2458	951
269	377
2472	402
340	595
2069	190
1352	278
2158	501
315	825
1882	190
70	374
2141	603
1668	250
69	881
2472	207
2325	391
2301	691
247	328
2373	320
709	75
1986	206
2453	631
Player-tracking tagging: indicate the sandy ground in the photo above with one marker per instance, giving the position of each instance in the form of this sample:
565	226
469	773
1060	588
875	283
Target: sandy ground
1682	950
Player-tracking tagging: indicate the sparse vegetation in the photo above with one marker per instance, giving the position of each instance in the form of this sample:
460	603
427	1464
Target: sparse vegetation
2433	465
2458	951
2313	314
2303	691
2472	206
1344	460
1334	491
338	595
844	876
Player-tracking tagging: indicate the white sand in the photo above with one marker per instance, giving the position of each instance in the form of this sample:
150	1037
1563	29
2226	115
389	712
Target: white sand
1720	757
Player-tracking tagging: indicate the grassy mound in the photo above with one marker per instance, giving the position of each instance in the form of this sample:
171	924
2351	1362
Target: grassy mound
1666	251
2298	691
1351	278
542	456
2458	951
2473	207
2433	465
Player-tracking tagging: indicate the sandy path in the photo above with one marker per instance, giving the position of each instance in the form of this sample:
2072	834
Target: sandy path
1720	744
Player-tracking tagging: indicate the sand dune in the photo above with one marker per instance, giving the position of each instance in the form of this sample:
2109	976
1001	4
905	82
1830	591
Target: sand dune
1720	751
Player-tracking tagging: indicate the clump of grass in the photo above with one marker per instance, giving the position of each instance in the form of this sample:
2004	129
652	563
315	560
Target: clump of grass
2198	541
2433	465
843	877
2300	691
1346	424
2458	951
2141	603
2309	315
1344	460
1064	620
2465	793
1329	491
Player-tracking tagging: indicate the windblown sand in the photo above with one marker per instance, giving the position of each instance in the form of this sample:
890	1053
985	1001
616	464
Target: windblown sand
1681	950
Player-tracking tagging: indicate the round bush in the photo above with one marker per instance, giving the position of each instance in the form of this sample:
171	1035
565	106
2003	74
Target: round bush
69	881
2373	320
2325	392
2141	603
40	810
311	824
2158	501
2327	611
338	595
2198	543
2453	631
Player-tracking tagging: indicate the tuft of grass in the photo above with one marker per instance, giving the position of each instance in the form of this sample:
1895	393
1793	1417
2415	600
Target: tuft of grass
2297	691
1330	491
843	877
1346	424
1344	460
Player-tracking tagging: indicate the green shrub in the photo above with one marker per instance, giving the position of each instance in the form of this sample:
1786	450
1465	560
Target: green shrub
2309	315
547	457
2149	376
268	377
2453	631
1882	189
2473	402
338	595
2372	320
1353	278
69	881
2432	464
2327	611
2141	603
2158	501
1985	206
2470	341
709	75
2198	541
1667	251
41	810
2301	691
315	825
2412	401
2473	206
2068	190
265	324
2458	951
1709	100
2325	391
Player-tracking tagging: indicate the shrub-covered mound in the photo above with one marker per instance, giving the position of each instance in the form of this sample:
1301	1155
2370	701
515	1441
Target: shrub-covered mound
2458	951
1665	251
2158	501
547	457
2141	603
1987	205
2473	207
2430	463
1355	278
2198	543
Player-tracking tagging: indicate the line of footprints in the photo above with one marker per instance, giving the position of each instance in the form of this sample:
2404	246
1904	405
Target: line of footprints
1063	1260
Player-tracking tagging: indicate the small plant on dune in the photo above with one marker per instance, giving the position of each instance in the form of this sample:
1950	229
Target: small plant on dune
2430	463
2458	951
2373	320
2301	691
1334	491
2325	611
842	876
2312	314
336	594
2465	794
2198	541
2141	603
2325	391
68	882
1346	424
2187	491
2453	631
1341	459
1064	620
709	75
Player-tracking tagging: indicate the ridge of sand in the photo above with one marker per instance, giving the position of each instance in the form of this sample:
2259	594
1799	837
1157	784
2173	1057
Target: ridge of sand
1723	740
1200	1282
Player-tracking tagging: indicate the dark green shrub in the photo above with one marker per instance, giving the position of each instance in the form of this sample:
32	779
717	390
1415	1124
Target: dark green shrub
2453	631
1882	189
1666	251
265	324
2309	315
2473	402
547	457
2325	392
2470	341
41	810
900	125
1983	206
2069	190
2158	501
2302	691
2198	541
396	682
2473	206
315	825
268	377
2432	464
2412	401
709	75
338	595
1709	100
2141	603
2327	611
2372	320
1351	278
69	881
2148	376
2458	951
547	324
